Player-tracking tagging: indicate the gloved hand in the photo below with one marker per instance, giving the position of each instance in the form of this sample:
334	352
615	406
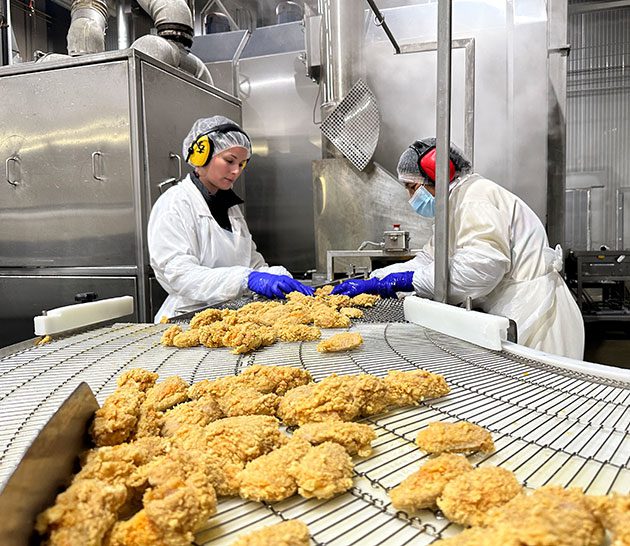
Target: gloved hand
275	286
354	287
395	282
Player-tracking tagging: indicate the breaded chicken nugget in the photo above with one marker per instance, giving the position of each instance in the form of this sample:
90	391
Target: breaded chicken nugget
351	312
345	341
205	317
550	515
287	533
354	437
363	300
410	388
297	332
246	401
422	488
267	478
467	498
369	392
323	472
613	512
460	437
189	338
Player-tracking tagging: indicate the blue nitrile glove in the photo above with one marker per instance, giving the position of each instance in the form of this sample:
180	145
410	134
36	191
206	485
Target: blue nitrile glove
395	282
275	286
354	287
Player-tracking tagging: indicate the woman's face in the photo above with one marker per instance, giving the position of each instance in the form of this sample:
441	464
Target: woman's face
223	170
412	187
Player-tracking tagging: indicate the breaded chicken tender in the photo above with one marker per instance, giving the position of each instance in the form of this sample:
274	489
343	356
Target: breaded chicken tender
550	515
613	512
323	472
327	317
267	478
169	335
275	379
345	341
329	400
115	422
468	498
410	388
354	437
82	514
460	437
205	317
287	533
200	412
297	332
422	488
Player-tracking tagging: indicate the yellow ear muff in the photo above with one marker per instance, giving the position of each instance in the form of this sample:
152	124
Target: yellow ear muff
200	151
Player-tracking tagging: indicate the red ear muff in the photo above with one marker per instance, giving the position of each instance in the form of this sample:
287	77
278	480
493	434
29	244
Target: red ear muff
426	163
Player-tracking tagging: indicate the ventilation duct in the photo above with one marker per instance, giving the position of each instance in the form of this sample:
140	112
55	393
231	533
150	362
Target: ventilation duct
87	29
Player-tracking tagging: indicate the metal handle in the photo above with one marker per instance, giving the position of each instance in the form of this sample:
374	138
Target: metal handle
166	182
15	181
94	175
172	155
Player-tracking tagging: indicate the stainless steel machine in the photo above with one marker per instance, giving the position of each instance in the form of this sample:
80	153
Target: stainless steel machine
88	144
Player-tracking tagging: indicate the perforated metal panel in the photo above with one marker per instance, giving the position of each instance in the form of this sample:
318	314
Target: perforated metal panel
550	425
354	125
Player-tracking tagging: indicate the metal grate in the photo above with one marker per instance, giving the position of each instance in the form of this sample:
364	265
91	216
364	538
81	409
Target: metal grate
550	425
354	125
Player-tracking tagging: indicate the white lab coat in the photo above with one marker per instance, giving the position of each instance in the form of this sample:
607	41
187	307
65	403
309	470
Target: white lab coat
500	256
195	260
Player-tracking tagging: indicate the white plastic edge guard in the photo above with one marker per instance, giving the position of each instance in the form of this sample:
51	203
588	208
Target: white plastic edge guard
82	314
482	329
582	366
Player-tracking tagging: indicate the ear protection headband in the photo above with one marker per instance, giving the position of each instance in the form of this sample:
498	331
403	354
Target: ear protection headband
426	161
201	150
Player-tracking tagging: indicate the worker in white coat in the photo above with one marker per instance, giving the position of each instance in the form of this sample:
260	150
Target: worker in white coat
499	255
200	246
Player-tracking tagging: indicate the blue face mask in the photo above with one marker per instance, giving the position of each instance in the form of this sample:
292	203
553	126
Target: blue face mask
423	202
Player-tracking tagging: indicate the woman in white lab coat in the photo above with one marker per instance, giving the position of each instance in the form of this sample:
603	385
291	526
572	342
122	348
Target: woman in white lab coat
200	246
499	255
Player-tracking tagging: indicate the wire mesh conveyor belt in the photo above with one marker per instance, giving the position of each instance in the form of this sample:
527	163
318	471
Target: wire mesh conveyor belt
550	425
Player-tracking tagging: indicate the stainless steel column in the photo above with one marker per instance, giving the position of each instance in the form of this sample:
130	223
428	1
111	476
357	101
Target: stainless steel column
557	130
122	24
6	34
443	124
341	54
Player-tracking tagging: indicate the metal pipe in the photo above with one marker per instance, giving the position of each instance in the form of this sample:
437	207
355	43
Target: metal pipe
342	55
122	24
172	18
7	34
87	28
443	139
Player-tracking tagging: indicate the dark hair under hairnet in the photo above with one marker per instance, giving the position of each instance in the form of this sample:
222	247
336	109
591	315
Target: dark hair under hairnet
409	171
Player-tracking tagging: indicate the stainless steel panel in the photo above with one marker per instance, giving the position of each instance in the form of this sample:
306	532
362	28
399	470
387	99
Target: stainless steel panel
278	105
66	135
352	207
170	107
26	296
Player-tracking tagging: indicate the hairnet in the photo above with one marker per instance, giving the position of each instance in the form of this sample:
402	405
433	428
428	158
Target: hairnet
409	171
221	141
